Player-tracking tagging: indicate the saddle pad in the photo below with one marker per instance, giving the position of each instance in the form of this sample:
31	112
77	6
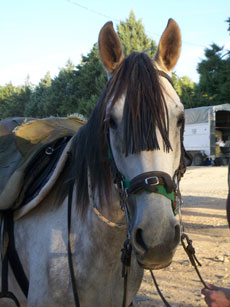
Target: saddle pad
20	142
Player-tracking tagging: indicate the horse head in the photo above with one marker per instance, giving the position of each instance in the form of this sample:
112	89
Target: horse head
144	120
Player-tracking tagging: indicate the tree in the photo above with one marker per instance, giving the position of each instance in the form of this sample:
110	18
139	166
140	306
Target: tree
214	85
35	107
185	89
77	90
228	21
62	96
13	100
133	37
91	79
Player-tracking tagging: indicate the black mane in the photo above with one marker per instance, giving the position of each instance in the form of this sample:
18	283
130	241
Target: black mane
144	111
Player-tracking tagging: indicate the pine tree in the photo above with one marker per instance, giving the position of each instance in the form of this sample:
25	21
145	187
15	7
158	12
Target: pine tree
133	37
62	94
35	107
13	100
214	85
91	79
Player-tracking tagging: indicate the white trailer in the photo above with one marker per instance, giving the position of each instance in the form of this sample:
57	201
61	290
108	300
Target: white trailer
207	134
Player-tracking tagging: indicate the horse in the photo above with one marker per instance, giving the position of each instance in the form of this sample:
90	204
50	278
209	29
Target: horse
120	181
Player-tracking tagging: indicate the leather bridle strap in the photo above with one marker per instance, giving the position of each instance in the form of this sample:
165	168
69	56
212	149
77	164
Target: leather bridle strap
9	255
159	291
190	251
154	181
163	74
70	260
118	178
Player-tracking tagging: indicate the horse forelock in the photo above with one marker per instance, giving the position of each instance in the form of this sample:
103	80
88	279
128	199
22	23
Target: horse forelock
144	111
144	108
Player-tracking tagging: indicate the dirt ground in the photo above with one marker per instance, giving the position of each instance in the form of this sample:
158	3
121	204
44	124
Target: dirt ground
204	191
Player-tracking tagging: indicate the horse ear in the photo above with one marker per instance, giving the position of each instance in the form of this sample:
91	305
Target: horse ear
169	46
110	48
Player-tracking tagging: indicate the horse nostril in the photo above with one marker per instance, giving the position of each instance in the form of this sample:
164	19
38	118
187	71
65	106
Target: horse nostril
139	239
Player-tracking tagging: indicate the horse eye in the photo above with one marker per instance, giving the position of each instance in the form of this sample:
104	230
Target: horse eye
112	123
180	121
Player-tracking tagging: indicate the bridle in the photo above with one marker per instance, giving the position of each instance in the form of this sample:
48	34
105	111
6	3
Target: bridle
154	182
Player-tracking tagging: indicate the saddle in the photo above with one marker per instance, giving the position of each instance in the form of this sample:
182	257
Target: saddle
30	151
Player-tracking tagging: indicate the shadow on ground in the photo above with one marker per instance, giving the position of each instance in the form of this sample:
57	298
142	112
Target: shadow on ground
205	215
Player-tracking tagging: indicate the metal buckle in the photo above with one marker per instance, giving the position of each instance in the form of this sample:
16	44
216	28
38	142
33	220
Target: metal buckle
49	151
153	177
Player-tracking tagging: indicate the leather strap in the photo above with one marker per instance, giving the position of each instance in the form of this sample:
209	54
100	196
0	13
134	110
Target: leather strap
10	255
11	296
126	253
190	251
163	74
159	291
150	181
70	260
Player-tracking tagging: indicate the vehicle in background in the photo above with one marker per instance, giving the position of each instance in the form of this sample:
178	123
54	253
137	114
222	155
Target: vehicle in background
207	134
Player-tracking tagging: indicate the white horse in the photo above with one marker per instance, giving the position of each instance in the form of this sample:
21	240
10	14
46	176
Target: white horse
130	147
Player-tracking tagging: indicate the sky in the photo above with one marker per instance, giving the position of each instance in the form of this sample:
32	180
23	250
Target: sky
39	36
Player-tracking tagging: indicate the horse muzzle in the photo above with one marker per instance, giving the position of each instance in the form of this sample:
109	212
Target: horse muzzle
154	241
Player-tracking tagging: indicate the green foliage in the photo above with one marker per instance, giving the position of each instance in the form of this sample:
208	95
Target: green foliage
62	94
228	21
133	37
91	79
13	100
35	107
185	89
214	85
